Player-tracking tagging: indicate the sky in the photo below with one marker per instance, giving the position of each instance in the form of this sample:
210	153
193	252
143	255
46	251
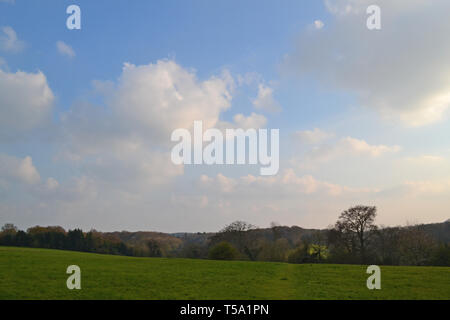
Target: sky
86	115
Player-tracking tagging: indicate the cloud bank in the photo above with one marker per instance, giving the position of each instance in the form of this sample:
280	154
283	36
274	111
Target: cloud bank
402	70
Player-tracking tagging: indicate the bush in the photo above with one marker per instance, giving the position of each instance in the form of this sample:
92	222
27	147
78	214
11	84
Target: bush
223	251
299	255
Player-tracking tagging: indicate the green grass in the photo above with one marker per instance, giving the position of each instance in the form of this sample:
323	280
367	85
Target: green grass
41	274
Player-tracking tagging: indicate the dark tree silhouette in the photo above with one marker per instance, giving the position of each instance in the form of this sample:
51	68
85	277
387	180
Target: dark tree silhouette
356	225
239	234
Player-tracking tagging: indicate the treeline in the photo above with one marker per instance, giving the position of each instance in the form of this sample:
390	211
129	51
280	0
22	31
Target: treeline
55	237
353	239
58	238
387	246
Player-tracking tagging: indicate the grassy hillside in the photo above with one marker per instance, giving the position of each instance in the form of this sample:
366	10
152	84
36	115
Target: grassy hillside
40	274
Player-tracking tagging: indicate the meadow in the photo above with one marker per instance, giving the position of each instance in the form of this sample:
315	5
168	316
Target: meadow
27	273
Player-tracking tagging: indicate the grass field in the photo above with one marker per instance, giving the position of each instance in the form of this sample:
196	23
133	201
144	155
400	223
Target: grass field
41	274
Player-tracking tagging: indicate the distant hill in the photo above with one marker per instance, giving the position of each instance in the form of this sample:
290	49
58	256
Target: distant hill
439	231
167	241
294	234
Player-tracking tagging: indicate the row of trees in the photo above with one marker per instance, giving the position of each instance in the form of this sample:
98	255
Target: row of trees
58	238
354	239
77	240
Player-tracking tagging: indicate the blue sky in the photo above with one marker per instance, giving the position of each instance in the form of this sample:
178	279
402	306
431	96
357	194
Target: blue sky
205	35
362	114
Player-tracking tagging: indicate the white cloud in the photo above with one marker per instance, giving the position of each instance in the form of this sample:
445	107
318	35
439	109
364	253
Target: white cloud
288	183
315	136
288	197
110	150
346	147
253	121
25	102
158	98
356	146
64	49
392	70
318	24
18	169
9	41
349	146
265	100
126	145
224	183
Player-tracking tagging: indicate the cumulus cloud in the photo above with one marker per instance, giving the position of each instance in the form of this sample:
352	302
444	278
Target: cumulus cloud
17	169
9	41
350	146
64	49
324	151
287	183
254	121
25	102
110	150
265	100
124	147
392	70
289	197
358	146
127	143
159	98
315	136
149	101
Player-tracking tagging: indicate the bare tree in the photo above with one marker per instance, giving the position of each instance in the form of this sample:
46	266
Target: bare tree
238	226
239	234
356	224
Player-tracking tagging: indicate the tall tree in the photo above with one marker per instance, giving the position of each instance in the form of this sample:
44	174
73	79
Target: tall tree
356	225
